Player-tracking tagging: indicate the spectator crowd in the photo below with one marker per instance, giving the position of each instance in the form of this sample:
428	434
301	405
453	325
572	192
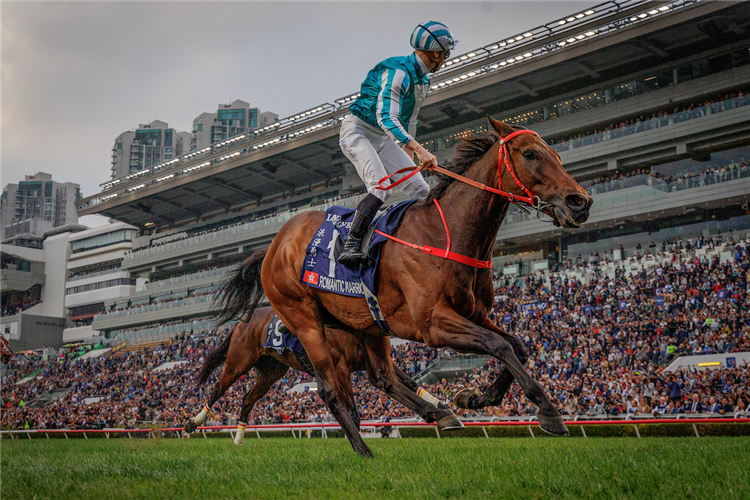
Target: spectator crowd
15	307
599	346
657	119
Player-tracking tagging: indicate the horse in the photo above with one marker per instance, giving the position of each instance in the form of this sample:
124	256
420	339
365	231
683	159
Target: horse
5	351
243	349
438	297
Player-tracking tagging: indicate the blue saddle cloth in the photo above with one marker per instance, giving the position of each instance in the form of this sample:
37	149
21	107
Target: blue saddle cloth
280	338
321	268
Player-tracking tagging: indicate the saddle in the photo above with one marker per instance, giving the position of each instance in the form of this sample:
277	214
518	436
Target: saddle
322	269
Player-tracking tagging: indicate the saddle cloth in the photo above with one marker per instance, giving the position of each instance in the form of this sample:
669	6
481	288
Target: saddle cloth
280	338
322	269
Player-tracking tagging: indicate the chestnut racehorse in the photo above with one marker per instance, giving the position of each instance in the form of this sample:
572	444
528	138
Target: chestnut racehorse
243	349
425	298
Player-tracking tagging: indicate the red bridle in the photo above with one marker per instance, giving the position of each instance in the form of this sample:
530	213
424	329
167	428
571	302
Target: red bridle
503	159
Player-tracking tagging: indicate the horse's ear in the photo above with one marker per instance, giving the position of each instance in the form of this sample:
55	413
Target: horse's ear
501	128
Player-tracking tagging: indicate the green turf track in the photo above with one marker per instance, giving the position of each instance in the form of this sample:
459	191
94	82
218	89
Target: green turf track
617	468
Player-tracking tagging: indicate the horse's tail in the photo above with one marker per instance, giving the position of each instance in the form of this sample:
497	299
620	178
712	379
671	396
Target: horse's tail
241	291
215	358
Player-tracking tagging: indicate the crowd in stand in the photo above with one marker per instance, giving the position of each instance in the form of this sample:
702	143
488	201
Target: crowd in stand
162	324
212	229
598	348
648	122
673	247
81	274
18	307
705	177
158	301
201	269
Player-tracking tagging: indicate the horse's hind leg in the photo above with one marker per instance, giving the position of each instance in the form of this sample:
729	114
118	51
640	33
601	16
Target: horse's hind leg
448	423
344	375
269	371
473	399
239	362
329	388
383	375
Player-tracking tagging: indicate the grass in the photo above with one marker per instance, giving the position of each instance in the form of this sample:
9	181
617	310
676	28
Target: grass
576	468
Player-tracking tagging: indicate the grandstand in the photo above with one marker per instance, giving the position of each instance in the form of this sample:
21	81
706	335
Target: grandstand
655	88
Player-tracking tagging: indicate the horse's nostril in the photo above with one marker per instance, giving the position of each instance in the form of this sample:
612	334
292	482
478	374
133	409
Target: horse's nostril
576	202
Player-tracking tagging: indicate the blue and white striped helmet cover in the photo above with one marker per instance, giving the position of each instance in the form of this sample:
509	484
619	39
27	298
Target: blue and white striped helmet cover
421	39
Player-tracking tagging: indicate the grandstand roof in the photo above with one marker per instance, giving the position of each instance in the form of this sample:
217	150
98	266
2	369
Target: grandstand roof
611	41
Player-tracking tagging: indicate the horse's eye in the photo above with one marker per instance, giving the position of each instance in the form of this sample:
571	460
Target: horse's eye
530	154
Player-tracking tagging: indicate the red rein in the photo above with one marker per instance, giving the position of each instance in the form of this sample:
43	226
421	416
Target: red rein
502	159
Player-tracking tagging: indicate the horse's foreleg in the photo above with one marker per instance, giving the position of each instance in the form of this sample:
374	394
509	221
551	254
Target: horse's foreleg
449	329
269	371
493	396
384	375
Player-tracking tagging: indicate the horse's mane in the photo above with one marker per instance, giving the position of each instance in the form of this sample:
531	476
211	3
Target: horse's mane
468	152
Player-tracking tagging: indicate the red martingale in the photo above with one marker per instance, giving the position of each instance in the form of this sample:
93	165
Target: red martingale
445	254
503	159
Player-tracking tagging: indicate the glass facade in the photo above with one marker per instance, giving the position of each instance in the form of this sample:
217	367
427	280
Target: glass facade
151	137
103	240
100	285
232	117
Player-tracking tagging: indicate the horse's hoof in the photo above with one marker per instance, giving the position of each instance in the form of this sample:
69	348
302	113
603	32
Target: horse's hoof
553	425
450	423
239	443
463	398
363	450
189	426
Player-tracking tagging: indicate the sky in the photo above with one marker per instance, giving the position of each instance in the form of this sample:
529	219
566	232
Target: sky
75	75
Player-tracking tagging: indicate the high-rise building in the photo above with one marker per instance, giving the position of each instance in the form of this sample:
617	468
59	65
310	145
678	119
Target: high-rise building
148	145
37	204
229	120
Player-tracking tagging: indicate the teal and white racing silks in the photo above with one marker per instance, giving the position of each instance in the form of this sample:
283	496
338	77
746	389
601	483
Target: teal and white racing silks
391	95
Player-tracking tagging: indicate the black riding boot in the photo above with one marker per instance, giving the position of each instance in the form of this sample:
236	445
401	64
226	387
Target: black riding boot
366	210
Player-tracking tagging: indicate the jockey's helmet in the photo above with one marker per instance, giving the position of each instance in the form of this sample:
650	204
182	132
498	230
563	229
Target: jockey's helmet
432	36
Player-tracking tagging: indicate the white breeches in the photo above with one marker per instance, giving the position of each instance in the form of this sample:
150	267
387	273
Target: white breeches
375	156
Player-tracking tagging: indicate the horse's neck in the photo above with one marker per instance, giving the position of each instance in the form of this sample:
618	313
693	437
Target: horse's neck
473	215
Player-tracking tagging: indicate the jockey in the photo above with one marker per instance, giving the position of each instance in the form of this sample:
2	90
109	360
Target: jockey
378	135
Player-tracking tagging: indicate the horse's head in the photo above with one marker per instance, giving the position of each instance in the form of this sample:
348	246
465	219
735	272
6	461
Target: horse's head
539	168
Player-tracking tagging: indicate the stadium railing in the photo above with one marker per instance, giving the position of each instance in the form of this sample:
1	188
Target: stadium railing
298	429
